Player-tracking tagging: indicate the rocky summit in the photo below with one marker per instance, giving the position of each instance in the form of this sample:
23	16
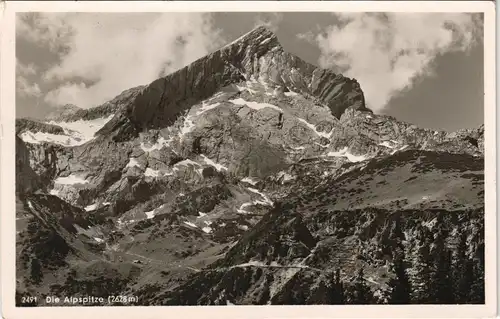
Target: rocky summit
248	177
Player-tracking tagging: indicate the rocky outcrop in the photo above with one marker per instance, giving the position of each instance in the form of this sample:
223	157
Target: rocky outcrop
381	130
277	238
23	125
27	180
61	112
48	161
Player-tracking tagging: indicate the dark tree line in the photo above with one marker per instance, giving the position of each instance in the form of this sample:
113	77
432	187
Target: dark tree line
439	275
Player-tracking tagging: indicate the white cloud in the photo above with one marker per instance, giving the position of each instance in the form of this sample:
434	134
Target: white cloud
307	36
24	86
68	93
47	29
386	53
271	20
26	89
111	52
25	69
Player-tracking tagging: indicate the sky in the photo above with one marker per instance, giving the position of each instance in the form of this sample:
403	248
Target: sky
422	68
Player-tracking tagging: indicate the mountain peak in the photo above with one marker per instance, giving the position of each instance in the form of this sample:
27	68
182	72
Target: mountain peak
254	57
68	108
262	29
62	111
258	35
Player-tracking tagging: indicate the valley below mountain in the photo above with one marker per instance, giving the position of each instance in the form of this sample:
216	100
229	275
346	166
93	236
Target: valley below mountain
248	177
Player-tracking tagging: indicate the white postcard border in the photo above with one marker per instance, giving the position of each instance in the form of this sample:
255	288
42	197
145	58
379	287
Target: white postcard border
7	162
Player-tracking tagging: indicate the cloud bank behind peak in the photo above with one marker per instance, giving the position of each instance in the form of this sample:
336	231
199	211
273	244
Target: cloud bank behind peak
388	52
102	54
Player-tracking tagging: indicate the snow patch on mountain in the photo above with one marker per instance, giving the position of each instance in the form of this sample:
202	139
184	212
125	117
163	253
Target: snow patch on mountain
320	145
75	133
314	129
207	229
191	224
246	88
254	105
133	163
186	163
151	172
400	149
285	176
150	214
344	153
266	200
217	166
249	181
243	227
206	107
90	208
386	144
251	263
160	143
187	126
72	179
41	137
242	210
85	129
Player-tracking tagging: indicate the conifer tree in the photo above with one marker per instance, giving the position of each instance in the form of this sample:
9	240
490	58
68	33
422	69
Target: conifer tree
477	289
400	285
441	291
463	272
339	289
440	285
36	271
423	268
360	293
397	233
336	294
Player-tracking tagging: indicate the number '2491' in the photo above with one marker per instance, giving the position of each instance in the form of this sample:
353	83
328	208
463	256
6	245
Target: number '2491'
29	299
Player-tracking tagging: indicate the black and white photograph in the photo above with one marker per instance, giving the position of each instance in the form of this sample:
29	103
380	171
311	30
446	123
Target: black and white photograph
251	158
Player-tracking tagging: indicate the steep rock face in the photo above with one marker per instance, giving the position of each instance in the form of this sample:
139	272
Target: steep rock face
258	56
26	179
48	160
